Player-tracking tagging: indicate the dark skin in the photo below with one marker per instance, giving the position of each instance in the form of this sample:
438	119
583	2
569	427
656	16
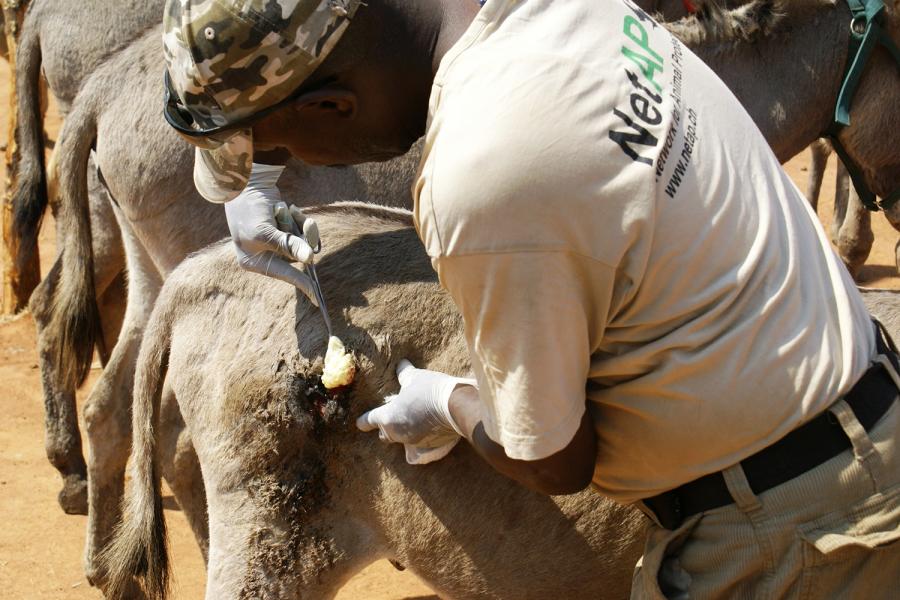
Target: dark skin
368	102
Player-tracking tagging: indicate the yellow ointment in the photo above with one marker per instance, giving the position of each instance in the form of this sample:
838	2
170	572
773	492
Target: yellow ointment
339	365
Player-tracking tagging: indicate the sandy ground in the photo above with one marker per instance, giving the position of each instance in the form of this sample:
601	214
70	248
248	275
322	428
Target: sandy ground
40	547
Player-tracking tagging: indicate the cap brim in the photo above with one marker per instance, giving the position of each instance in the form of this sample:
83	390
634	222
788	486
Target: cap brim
222	174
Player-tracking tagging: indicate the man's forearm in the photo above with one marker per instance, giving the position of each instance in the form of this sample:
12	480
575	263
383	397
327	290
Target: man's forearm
565	472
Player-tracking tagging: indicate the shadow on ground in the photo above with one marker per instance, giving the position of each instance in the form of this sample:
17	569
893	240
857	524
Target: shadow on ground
875	272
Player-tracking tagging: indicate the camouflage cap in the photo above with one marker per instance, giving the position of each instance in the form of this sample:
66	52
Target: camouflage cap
230	59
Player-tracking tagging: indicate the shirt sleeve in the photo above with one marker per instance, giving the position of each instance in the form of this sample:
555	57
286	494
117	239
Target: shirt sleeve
532	320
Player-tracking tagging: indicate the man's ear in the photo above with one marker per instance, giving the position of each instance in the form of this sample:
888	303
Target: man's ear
329	101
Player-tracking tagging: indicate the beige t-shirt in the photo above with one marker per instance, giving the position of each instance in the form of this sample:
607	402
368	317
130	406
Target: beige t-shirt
614	228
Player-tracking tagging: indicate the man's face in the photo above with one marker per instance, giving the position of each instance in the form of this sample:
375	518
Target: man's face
345	123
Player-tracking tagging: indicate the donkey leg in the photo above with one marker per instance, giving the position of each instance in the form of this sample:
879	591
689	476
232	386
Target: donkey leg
246	551
897	255
62	435
107	417
819	152
111	304
62	439
181	469
841	199
107	414
855	238
892	214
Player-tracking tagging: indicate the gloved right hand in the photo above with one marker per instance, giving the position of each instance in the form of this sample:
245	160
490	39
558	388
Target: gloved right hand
419	415
261	247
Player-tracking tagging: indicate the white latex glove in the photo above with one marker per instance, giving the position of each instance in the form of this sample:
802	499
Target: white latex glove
261	247
419	415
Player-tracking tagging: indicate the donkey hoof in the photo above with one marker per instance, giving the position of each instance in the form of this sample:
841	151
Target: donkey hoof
95	578
98	580
93	571
73	498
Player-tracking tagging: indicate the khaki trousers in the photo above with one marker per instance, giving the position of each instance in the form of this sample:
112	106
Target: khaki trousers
833	532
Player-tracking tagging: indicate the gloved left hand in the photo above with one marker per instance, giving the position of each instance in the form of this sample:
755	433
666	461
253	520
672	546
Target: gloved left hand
419	415
260	245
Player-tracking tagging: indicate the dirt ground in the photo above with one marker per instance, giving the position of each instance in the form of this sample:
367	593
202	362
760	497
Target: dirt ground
40	547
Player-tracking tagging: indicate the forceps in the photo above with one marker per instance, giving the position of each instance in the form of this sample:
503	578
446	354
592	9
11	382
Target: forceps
285	219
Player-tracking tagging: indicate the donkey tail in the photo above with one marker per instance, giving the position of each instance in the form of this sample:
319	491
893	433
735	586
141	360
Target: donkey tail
138	549
28	172
75	320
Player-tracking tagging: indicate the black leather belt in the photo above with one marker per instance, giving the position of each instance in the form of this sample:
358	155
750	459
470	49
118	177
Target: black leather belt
801	450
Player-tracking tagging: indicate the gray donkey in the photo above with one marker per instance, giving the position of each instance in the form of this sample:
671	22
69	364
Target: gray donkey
785	61
65	41
298	499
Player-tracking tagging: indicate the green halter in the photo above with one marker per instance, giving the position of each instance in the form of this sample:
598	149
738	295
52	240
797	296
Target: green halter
866	30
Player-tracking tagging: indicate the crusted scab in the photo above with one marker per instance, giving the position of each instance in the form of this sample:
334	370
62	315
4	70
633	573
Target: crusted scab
329	404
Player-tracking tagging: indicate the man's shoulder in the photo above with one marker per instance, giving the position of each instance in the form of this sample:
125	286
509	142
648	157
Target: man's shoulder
514	179
519	155
507	125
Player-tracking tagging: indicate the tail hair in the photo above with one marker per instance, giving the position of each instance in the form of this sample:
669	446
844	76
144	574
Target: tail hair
28	171
75	318
138	553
